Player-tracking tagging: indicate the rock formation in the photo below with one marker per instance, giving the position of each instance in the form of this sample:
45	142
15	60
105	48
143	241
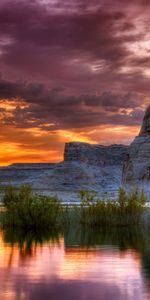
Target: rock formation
97	168
97	155
136	170
145	129
91	167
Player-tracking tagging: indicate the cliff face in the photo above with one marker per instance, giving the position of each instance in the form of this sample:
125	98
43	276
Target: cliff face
137	164
145	129
96	155
92	167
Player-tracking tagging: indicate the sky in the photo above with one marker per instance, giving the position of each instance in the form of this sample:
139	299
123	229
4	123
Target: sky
71	70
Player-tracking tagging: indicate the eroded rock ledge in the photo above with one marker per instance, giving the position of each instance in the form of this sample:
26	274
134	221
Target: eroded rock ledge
97	155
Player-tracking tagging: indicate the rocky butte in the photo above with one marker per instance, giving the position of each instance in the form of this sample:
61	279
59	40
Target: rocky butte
136	169
85	166
98	168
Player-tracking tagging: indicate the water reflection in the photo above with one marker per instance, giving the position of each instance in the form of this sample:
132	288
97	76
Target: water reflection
77	264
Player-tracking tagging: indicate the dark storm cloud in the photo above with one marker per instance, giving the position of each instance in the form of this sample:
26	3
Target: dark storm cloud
39	94
81	47
34	36
92	34
53	106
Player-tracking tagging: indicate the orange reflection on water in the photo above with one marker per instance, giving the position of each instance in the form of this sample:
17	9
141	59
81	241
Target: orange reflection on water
106	264
52	262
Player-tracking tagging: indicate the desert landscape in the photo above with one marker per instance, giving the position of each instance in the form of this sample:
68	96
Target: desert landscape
98	168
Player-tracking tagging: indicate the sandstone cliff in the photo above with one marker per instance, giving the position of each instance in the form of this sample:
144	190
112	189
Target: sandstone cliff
93	167
136	169
97	155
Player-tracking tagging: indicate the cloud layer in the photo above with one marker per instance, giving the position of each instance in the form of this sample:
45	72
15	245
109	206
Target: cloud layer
72	69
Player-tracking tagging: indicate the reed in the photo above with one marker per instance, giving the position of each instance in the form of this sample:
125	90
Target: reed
126	211
23	209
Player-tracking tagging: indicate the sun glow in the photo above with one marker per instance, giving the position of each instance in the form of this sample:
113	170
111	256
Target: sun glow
39	145
69	136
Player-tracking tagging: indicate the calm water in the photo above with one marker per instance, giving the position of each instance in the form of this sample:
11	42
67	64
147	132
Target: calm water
75	265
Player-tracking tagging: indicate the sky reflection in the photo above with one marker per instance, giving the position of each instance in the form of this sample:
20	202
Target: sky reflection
54	271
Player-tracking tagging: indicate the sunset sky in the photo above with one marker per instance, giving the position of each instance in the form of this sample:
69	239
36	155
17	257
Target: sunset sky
71	70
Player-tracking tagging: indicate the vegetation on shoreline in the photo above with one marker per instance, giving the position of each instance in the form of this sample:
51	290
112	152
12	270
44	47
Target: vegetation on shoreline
23	209
126	211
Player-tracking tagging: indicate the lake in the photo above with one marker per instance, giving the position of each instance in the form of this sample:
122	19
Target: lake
77	264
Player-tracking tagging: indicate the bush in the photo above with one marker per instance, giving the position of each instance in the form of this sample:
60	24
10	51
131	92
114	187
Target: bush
126	211
24	209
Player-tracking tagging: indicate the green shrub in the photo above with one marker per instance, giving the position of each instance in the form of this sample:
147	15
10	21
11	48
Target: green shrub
24	209
126	211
